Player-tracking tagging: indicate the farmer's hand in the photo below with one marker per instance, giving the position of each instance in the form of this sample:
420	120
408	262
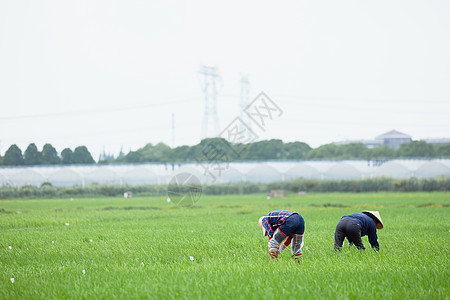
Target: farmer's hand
273	252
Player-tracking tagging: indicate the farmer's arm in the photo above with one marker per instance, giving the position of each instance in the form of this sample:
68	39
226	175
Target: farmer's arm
373	239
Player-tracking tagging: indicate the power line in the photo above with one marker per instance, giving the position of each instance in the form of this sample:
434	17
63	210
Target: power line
334	122
372	110
359	100
331	103
245	101
116	132
366	109
97	111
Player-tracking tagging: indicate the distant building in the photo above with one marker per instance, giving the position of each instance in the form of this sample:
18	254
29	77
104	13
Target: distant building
392	139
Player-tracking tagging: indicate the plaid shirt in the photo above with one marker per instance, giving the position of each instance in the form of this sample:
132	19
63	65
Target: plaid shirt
274	219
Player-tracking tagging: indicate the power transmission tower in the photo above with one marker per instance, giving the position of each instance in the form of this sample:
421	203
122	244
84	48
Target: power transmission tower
209	79
245	100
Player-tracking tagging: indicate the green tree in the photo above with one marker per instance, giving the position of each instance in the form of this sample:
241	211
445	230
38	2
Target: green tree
66	156
381	152
133	157
32	156
328	151
158	153
50	155
295	150
81	155
353	150
416	149
181	153
263	150
442	150
13	156
213	150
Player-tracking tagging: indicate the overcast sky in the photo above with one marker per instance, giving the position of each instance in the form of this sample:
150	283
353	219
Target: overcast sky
110	74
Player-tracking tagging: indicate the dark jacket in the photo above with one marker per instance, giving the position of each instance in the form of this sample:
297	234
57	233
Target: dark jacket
368	227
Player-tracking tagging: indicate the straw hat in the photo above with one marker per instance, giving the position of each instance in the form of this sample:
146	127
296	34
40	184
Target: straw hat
261	225
375	214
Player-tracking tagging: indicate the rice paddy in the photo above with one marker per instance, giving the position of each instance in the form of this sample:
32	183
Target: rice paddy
145	247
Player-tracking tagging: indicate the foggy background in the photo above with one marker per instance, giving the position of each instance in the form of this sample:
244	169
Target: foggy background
110	74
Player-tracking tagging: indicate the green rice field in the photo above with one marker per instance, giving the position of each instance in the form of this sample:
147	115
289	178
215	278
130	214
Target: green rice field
147	248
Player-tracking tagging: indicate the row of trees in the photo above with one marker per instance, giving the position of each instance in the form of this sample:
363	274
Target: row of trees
218	149
277	150
415	149
48	156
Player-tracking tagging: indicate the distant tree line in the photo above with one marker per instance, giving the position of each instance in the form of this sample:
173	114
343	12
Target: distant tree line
414	149
48	156
221	150
217	148
277	150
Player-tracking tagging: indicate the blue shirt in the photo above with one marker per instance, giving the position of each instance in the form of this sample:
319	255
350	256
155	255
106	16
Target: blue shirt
274	219
368	227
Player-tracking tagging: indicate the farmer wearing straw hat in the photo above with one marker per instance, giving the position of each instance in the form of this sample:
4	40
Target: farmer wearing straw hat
283	227
356	225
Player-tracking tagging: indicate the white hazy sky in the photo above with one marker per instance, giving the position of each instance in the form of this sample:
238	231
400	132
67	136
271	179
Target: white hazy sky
110	74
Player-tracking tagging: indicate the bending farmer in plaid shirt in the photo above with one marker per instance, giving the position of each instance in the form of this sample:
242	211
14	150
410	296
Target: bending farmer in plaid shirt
283	226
